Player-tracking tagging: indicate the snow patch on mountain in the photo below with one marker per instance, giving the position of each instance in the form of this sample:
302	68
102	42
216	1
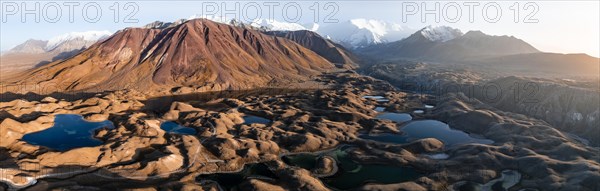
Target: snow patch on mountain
264	24
215	18
162	25
379	28
357	33
440	33
86	36
314	27
275	25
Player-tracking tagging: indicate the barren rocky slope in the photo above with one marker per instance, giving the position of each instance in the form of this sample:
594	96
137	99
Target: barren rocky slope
329	50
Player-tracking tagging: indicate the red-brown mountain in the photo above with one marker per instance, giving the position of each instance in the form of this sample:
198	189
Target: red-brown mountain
199	53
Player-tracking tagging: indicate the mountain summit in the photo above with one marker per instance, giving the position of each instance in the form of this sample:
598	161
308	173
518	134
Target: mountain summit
440	33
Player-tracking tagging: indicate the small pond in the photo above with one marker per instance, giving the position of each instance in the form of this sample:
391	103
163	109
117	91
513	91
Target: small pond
172	127
68	132
377	98
250	119
396	117
379	109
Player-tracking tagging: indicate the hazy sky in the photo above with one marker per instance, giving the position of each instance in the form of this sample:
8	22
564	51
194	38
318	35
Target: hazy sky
552	26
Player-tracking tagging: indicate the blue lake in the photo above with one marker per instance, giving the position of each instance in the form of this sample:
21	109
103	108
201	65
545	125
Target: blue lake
377	98
172	127
420	129
69	131
397	117
373	97
250	119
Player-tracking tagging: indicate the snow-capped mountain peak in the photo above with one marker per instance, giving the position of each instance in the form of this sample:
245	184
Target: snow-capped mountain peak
90	36
162	25
314	26
360	32
215	18
276	25
440	33
378	27
264	24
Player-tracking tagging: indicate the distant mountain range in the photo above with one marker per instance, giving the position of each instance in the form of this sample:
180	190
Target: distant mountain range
31	46
448	44
66	42
33	52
